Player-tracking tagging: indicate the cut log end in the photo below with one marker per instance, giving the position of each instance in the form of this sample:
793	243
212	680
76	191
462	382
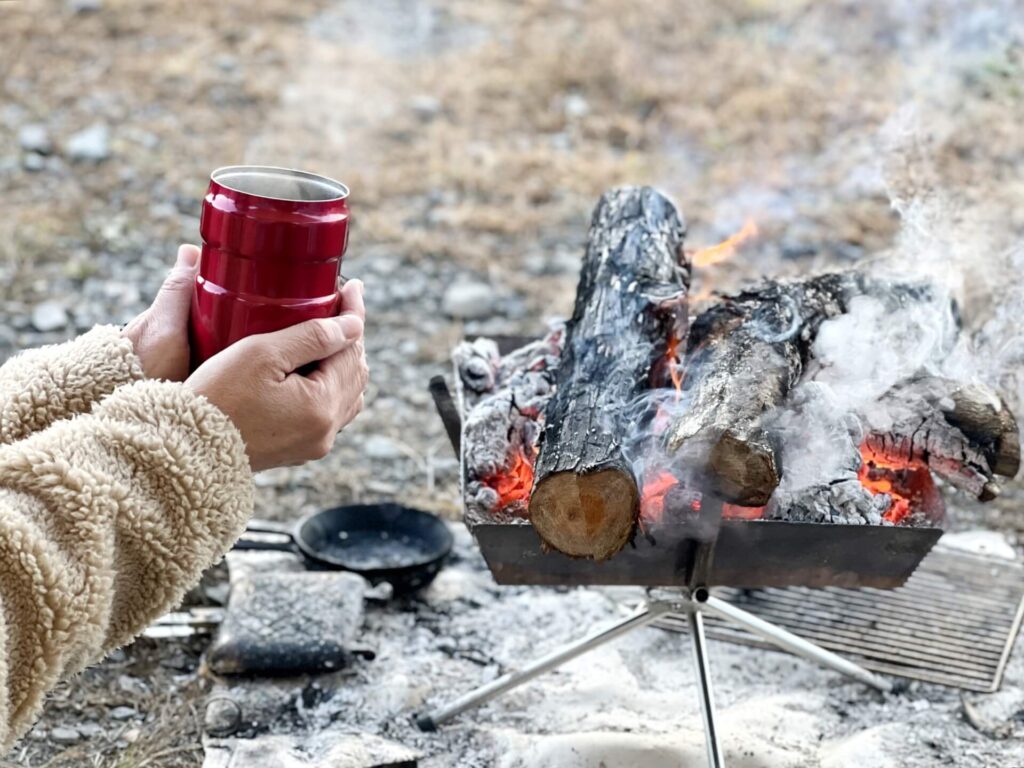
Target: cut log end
743	469
591	515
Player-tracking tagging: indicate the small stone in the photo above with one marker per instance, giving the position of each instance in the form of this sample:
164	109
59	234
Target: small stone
33	162
469	301
85	6
123	713
133	685
65	735
575	105
91	144
49	316
380	447
35	138
131	735
90	730
225	62
223	716
425	107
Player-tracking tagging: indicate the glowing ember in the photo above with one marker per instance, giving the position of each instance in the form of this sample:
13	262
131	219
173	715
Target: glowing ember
516	484
660	484
897	478
716	254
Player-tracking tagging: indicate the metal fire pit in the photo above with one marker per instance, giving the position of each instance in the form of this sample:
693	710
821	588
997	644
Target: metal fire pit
690	555
745	553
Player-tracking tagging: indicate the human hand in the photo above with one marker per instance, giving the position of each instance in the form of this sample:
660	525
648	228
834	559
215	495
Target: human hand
160	334
286	417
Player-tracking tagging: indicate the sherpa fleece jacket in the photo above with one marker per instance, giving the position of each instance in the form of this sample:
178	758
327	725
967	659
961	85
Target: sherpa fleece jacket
115	494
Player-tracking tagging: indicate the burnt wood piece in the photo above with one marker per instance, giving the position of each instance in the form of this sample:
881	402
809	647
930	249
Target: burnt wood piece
504	398
964	433
744	355
631	298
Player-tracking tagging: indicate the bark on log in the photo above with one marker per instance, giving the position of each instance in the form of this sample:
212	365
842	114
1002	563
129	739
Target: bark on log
964	433
744	355
631	297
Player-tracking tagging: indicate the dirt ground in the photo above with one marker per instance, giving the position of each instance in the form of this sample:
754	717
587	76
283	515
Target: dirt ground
476	136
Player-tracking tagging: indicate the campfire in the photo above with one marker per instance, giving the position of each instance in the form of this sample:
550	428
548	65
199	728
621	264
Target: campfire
820	400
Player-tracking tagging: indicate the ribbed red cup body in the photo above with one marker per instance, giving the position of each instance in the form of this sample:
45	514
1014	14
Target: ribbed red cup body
273	240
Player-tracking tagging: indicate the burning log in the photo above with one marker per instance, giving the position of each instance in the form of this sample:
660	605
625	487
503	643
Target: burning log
504	399
630	302
965	433
744	356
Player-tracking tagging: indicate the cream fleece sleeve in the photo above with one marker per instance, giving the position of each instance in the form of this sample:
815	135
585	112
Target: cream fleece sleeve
41	386
105	520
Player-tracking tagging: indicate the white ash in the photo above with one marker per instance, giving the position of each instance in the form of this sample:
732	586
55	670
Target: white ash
503	399
632	702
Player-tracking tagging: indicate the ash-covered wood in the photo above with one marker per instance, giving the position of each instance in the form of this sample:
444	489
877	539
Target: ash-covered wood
504	399
631	299
744	356
964	433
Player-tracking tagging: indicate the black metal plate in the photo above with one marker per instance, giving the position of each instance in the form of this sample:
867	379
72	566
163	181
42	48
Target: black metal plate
759	553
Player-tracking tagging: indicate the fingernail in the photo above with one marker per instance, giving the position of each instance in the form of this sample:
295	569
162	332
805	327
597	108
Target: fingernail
188	255
351	326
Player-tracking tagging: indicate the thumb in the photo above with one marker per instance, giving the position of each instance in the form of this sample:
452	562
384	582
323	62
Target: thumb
174	299
314	340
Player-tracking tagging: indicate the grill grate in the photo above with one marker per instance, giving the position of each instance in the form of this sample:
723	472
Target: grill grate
954	622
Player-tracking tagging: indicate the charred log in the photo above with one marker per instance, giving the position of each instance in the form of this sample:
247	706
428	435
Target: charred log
744	356
964	433
504	399
631	299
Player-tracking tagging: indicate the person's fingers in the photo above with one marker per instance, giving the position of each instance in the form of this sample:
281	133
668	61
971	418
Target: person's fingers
352	298
172	302
343	375
312	340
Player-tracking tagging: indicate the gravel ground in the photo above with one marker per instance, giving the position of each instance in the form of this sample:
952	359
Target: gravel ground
476	137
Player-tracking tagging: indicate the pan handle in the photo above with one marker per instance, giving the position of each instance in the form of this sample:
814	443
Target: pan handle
285	540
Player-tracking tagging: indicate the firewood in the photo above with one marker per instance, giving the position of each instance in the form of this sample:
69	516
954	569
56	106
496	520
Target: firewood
744	356
504	397
964	433
631	299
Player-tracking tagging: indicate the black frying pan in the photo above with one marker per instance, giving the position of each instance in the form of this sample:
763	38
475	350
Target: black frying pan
382	542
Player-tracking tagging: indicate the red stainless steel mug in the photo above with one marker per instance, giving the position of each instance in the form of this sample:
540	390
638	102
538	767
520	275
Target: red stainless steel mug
273	240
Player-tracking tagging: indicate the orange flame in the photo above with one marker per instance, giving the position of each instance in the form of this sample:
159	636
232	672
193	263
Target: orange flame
716	254
674	364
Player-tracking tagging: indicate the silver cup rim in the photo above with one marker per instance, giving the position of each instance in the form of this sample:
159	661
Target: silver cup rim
326	181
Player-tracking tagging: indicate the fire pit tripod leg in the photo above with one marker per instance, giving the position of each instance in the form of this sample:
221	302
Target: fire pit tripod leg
788	641
703	670
644	615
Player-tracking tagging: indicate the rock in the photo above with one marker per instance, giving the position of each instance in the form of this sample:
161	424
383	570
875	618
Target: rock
33	162
575	105
49	316
35	138
223	716
132	685
85	6
380	447
91	144
425	107
288	623
225	62
123	713
468	301
65	735
90	730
